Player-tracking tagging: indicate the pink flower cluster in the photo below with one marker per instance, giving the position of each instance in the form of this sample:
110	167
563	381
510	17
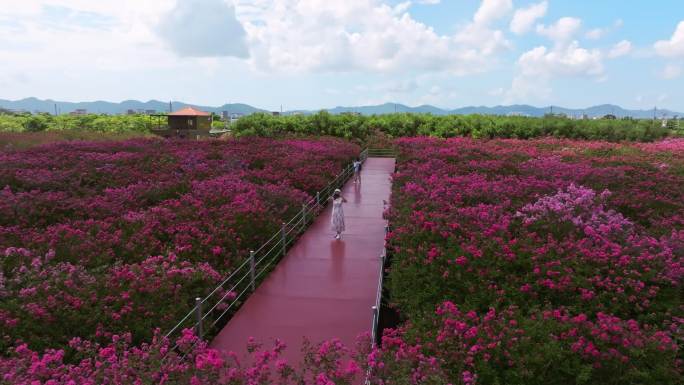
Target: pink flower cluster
119	361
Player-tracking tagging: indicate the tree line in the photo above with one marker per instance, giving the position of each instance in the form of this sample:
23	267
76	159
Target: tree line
363	128
477	126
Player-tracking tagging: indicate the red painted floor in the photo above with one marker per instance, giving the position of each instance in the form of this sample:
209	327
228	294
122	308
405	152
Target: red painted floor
323	288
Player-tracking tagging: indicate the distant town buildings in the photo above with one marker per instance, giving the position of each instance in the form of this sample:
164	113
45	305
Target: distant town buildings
79	111
140	111
230	117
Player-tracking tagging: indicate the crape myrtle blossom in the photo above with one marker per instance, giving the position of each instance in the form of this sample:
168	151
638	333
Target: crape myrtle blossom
516	262
511	254
108	238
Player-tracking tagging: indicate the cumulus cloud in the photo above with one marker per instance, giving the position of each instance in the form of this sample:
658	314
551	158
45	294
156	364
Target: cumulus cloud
524	18
673	47
537	67
204	28
429	2
621	48
562	30
366	35
572	60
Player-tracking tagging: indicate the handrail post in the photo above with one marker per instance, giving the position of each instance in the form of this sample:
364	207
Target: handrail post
252	269
198	313
303	217
374	332
318	198
283	237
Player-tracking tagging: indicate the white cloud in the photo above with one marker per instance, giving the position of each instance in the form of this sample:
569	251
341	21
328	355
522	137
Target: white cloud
571	60
492	10
562	31
671	71
75	35
539	66
402	7
673	47
524	18
429	2
364	35
204	28
621	48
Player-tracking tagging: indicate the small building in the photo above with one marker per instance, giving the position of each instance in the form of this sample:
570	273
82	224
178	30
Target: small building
184	123
79	111
189	119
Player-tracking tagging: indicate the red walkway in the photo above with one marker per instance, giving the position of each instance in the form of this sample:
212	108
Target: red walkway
323	288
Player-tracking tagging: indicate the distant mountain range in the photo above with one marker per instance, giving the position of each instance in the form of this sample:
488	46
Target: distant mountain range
103	107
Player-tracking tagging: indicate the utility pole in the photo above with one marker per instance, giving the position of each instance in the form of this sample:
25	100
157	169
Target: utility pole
170	107
55	108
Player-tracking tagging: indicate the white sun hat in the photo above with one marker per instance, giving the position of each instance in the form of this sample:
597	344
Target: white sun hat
338	191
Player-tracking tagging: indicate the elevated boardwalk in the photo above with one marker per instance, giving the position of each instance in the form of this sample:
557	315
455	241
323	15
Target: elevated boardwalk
323	288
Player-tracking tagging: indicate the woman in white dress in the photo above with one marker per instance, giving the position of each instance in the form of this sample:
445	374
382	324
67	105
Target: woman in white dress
337	213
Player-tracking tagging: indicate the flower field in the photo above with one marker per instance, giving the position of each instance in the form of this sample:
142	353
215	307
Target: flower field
104	239
545	261
536	262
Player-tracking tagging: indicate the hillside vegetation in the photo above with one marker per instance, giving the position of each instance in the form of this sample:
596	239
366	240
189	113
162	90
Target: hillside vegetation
363	128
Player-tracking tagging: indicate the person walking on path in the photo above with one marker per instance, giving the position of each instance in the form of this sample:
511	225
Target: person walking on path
357	170
337	213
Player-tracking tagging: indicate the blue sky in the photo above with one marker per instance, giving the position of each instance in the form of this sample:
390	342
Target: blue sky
317	54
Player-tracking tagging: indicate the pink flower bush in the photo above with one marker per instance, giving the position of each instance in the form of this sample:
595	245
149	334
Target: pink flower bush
104	239
512	262
508	255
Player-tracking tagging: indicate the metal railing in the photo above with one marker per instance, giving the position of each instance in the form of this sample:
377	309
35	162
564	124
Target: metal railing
209	311
381	152
378	295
